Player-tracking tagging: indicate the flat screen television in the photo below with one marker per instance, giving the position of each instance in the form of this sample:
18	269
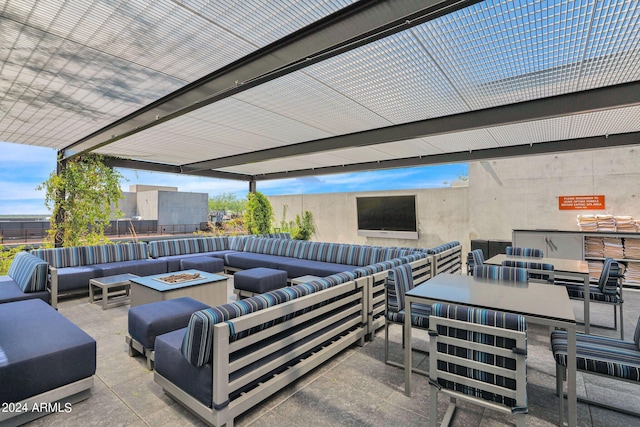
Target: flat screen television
387	216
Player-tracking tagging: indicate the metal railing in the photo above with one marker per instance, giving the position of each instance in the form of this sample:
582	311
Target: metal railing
118	229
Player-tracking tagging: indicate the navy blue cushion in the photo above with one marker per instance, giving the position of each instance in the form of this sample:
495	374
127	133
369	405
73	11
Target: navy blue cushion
41	350
10	292
219	254
260	280
303	267
202	263
73	278
143	267
171	364
147	321
247	260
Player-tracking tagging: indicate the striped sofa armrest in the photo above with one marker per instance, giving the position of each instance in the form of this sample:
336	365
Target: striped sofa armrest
29	272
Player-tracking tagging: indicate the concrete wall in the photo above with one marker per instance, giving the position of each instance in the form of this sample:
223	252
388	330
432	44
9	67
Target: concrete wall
504	194
442	215
181	208
518	193
128	205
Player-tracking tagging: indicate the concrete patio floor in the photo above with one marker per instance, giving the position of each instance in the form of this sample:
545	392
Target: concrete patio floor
354	389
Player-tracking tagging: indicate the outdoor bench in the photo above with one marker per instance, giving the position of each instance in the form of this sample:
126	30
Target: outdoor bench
44	359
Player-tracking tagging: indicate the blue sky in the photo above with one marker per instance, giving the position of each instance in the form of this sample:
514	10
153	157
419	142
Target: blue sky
23	168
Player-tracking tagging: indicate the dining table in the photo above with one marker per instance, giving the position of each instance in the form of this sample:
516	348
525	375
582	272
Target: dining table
562	268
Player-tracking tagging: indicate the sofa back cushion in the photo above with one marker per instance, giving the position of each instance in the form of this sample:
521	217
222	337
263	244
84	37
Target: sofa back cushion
60	257
29	272
102	254
237	243
197	344
213	244
160	248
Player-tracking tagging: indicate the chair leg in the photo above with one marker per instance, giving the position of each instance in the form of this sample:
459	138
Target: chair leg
386	341
433	406
560	375
621	324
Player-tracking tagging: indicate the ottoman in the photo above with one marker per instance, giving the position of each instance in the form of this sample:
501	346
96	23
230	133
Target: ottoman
259	280
44	358
147	321
202	263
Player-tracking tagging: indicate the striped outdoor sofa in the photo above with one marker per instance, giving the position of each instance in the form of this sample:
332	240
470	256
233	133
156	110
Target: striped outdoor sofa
598	355
230	358
70	269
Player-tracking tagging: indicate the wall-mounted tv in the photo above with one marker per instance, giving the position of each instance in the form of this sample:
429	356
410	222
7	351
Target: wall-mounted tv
387	216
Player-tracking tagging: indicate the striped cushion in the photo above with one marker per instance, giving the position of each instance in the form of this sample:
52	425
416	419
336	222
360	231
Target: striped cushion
101	254
481	317
608	283
399	281
161	248
213	244
531	266
506	274
60	257
197	344
419	315
478	257
443	247
577	291
603	355
29	272
237	243
526	252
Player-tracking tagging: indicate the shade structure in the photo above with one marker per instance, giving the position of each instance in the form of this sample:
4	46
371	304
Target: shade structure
257	90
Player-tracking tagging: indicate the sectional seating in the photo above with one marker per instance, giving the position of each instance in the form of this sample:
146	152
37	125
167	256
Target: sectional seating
26	279
230	358
44	358
70	269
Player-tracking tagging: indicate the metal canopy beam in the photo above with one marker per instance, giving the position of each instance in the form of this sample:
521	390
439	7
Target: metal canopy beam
164	168
577	144
623	95
347	29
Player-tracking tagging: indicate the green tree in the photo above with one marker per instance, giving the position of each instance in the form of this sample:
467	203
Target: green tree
305	227
227	202
6	257
83	195
259	214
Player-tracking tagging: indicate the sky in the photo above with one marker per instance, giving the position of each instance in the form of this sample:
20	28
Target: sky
24	167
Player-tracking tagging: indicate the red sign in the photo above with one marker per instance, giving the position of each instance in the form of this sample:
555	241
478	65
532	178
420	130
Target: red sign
566	203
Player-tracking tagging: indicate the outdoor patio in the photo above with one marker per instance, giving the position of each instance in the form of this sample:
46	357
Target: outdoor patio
354	389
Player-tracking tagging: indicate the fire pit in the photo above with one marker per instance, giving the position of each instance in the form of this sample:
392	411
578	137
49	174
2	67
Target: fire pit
176	279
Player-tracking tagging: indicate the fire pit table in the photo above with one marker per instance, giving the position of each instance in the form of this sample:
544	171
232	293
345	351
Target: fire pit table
208	288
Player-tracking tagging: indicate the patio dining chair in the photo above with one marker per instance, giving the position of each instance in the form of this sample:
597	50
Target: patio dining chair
504	274
537	271
474	258
524	252
399	281
608	290
479	356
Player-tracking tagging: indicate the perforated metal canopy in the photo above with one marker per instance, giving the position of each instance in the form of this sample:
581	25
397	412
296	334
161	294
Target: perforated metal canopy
256	90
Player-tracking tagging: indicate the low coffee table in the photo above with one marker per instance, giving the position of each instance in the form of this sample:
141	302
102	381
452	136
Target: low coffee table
120	283
208	288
